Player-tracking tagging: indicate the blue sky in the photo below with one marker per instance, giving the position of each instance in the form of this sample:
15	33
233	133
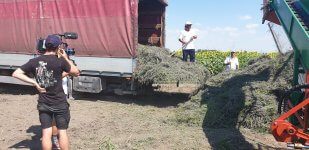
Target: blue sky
222	25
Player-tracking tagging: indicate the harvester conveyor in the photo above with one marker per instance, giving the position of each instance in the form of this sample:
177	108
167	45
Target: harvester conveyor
293	16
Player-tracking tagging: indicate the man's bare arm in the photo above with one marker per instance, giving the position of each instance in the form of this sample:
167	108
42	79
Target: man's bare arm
182	41
20	74
74	71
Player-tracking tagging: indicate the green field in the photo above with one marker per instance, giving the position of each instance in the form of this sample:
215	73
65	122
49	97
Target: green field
213	60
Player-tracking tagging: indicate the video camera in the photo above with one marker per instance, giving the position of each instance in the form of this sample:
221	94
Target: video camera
67	35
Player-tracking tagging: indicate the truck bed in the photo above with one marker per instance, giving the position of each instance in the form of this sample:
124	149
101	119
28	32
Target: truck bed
122	67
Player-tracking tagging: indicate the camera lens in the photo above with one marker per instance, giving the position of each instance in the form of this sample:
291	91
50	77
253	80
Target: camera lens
70	51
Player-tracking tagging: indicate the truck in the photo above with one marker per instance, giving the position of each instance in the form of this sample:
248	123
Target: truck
292	126
109	32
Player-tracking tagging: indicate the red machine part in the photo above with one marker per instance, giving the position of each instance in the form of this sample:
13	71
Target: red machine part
284	131
269	15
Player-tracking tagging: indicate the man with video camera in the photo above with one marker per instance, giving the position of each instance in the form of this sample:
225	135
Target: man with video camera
52	102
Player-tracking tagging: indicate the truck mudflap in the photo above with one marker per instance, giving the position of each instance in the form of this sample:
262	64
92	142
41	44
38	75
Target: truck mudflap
89	84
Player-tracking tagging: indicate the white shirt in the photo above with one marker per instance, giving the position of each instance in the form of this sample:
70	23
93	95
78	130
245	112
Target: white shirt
186	37
65	85
233	63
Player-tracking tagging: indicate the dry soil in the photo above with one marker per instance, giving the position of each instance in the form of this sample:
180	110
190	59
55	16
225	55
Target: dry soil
108	121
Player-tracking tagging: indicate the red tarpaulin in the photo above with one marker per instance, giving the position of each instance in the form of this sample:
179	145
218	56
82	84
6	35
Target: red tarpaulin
106	28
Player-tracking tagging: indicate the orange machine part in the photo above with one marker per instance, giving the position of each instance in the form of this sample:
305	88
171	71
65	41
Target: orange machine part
284	131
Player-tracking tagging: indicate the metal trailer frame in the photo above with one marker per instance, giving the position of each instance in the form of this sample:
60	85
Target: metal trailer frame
92	72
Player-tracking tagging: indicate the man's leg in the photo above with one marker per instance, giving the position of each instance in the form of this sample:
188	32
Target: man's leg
55	130
62	122
184	55
46	136
46	124
64	139
55	140
192	55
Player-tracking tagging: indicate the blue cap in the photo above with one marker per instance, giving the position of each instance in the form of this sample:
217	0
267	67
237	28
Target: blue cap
53	41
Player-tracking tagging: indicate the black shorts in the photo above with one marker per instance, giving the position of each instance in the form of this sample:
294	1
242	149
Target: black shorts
62	119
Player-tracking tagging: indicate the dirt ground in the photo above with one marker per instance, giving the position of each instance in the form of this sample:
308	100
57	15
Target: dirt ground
102	122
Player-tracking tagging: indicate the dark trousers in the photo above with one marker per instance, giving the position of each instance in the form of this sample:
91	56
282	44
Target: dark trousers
190	52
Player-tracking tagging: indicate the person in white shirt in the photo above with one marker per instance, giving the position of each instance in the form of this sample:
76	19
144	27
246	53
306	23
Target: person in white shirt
187	38
231	62
65	85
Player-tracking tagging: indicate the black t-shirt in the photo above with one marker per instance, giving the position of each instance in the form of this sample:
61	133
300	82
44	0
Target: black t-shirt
48	70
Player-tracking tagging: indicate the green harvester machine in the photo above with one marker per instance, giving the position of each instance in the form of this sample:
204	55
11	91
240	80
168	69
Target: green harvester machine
292	126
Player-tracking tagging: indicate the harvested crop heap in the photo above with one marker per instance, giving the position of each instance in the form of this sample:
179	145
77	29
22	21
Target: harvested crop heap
156	66
247	97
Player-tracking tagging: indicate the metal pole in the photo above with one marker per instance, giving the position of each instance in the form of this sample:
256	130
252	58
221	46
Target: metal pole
275	38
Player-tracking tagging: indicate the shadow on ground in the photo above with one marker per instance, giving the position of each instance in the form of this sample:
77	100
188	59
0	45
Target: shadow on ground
224	103
34	143
157	99
16	89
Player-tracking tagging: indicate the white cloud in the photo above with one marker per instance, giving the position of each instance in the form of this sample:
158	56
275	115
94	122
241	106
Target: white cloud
173	31
195	30
252	31
252	26
246	17
224	29
217	29
198	24
233	34
230	29
201	33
